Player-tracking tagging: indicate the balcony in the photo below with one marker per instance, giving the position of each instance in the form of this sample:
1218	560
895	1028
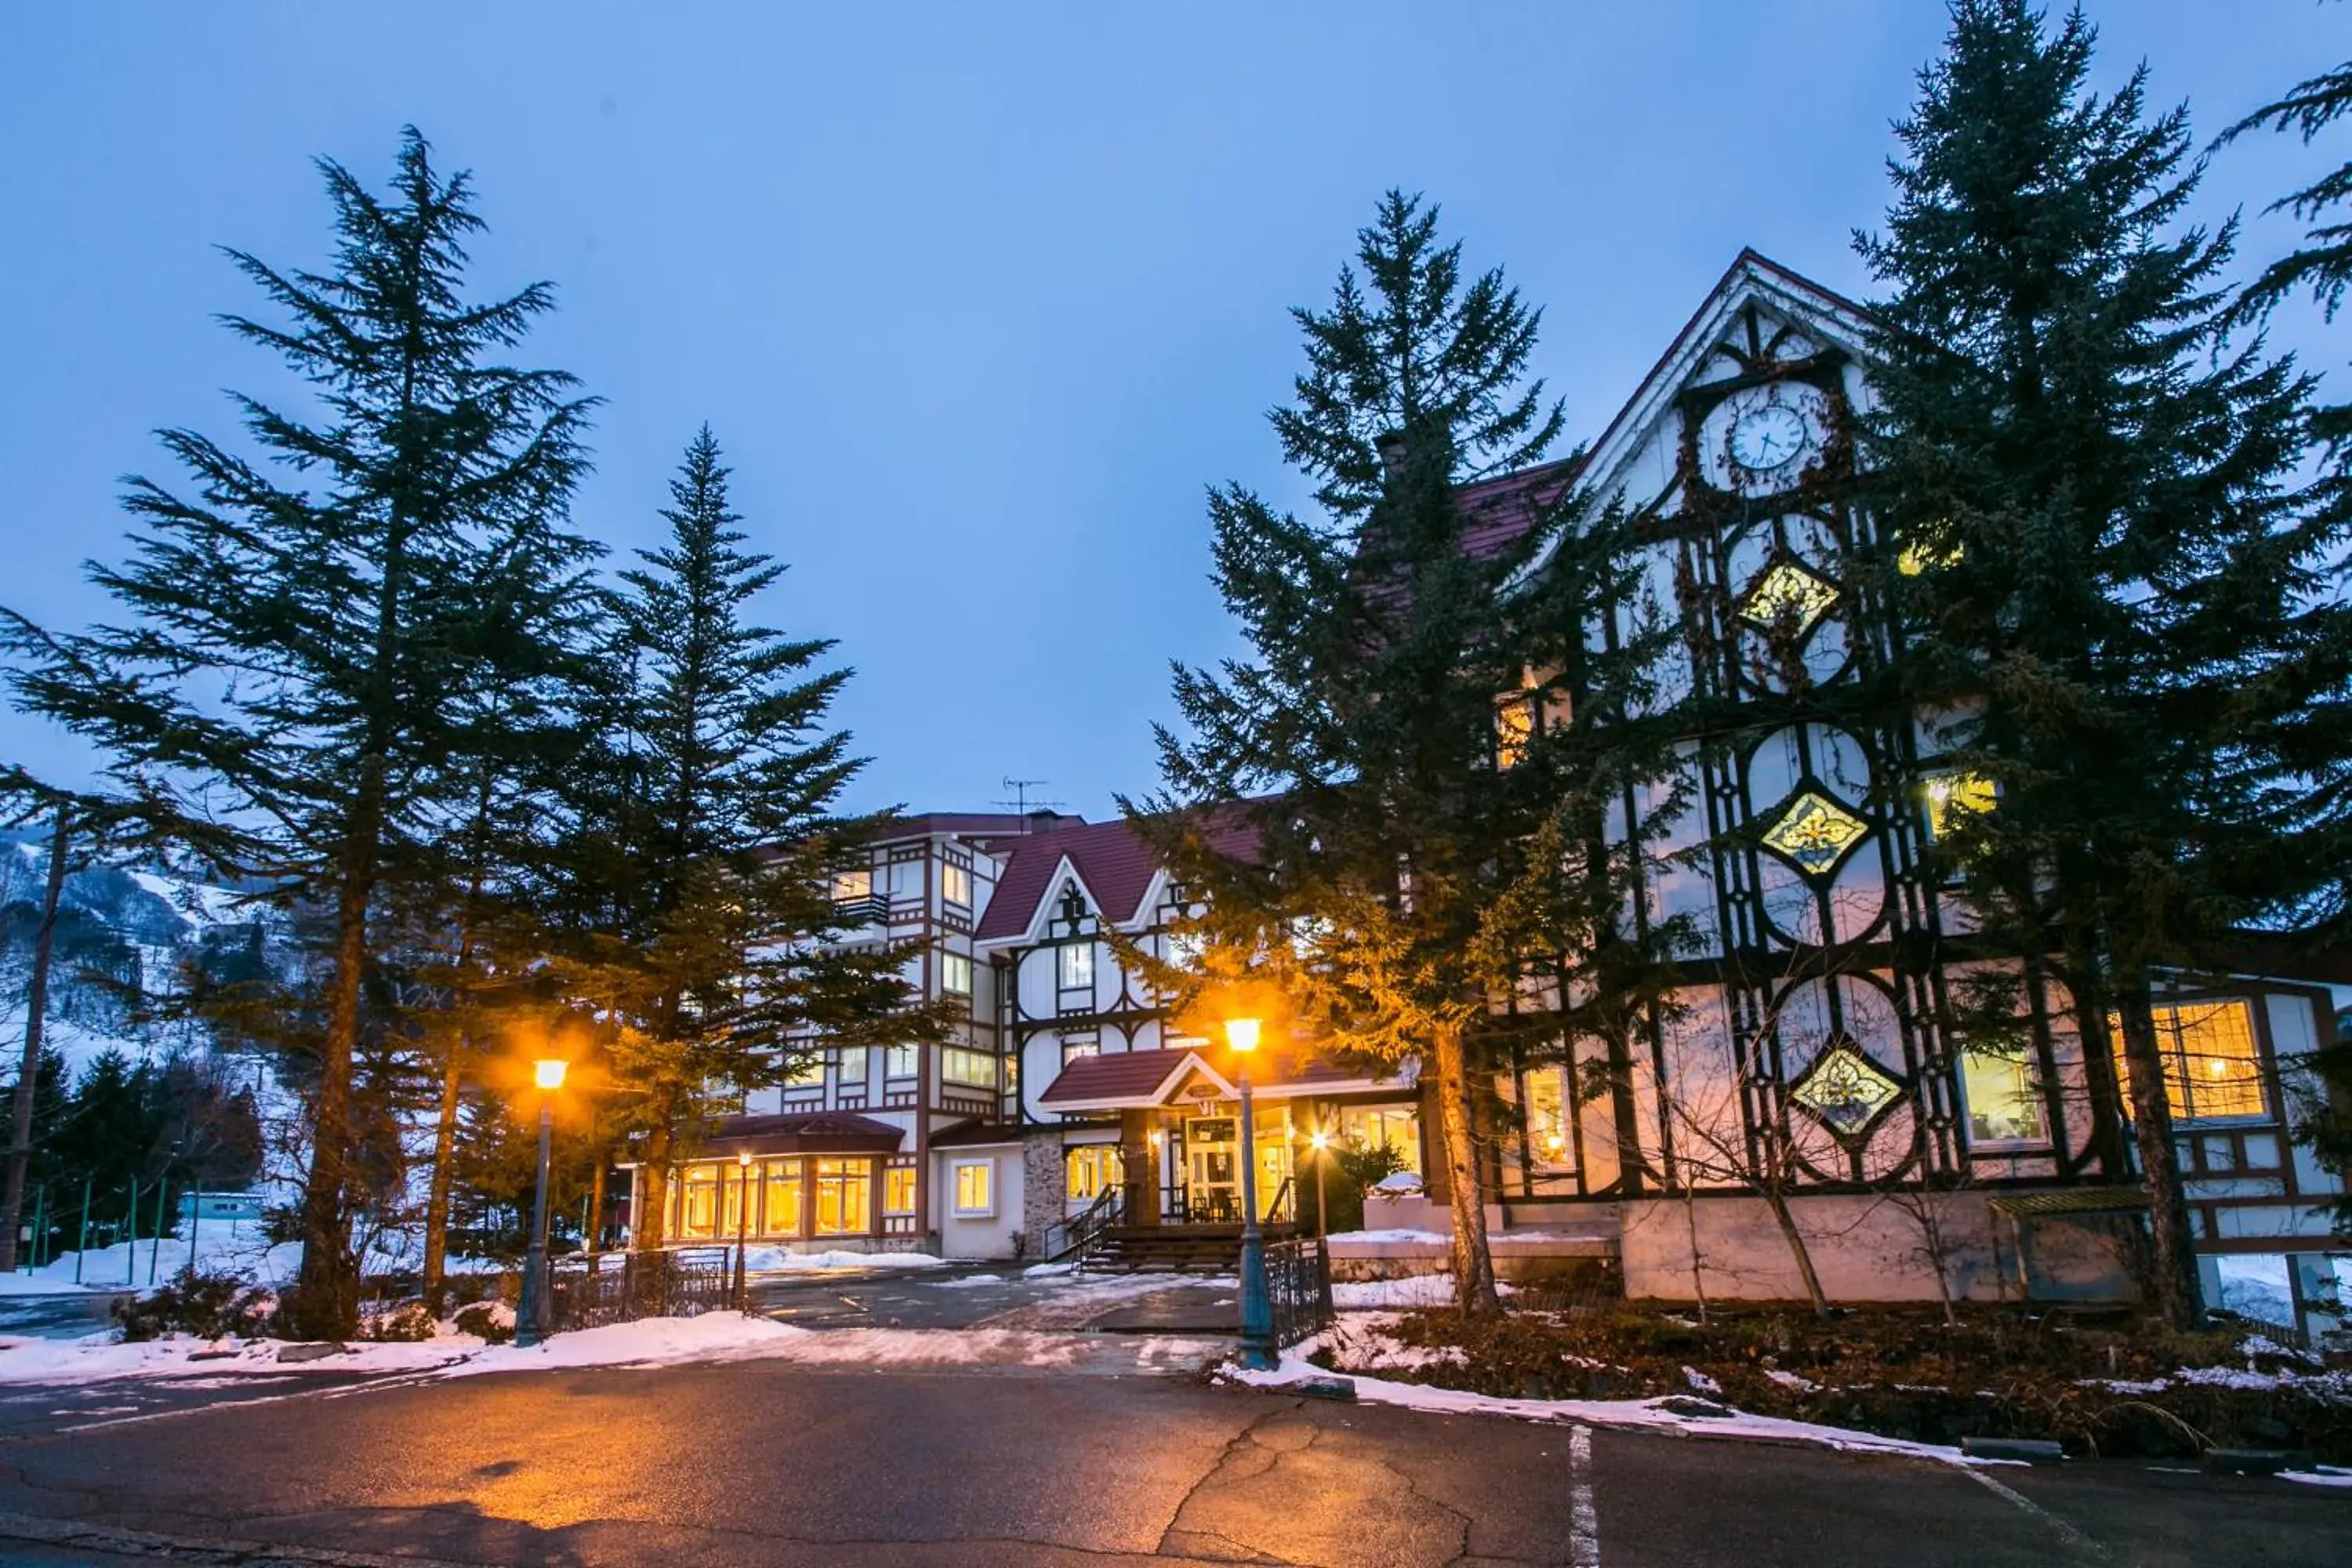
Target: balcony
865	908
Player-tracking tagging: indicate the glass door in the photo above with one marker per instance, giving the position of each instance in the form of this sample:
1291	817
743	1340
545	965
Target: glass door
1212	1170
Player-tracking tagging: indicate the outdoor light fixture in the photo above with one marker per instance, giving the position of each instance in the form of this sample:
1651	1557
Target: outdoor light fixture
1321	1140
531	1320
1257	1307
742	1230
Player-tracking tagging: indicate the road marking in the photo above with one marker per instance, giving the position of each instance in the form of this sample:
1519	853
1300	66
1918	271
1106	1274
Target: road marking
1583	1518
2066	1532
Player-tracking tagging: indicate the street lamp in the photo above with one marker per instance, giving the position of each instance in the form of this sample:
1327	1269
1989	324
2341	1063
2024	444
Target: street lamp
1321	1142
742	1224
531	1322
1257	1309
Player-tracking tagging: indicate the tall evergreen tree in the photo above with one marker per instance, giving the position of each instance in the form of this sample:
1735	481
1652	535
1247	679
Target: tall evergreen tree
708	827
2118	598
1395	814
301	643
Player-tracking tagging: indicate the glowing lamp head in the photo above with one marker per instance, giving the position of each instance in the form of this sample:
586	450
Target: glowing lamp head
548	1073
1321	1140
1555	1143
1156	1137
744	1158
1241	1034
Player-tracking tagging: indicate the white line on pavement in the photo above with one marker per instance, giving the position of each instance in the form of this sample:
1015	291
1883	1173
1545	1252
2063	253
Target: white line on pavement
2066	1532
1583	1518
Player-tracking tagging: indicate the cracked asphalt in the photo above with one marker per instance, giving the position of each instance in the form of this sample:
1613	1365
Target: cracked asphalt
773	1463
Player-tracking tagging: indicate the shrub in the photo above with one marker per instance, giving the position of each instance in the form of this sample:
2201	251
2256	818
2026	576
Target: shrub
404	1325
209	1306
491	1320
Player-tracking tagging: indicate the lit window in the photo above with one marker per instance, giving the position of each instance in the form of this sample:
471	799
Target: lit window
899	1189
899	1061
1396	1127
1787	596
955	973
807	1070
2004	1098
852	886
1917	559
697	1214
906	882
1514	723
1951	795
975	1188
1815	832
1077	1046
1091	1170
977	1068
1074	966
955	884
845	1197
2212	1067
1549	1142
780	1202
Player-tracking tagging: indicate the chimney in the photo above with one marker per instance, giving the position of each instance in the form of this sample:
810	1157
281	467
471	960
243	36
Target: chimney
1390	446
1043	821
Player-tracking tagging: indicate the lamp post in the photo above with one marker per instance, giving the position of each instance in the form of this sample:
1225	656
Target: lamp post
1321	1142
531	1322
1257	1309
743	1225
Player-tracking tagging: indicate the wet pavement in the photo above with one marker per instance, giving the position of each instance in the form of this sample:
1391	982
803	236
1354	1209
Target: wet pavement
65	1316
999	1296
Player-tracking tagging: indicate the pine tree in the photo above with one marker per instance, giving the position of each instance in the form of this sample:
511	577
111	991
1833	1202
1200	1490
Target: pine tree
707	827
1394	816
2115	591
301	645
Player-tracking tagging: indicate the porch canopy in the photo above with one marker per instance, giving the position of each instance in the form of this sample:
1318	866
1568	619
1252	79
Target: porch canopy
806	1132
1182	1075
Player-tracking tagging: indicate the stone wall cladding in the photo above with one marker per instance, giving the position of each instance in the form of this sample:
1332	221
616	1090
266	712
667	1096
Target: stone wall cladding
1044	1192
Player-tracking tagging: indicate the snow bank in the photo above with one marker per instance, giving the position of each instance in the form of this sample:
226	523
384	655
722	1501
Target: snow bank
1434	1238
1411	1290
1630	1415
129	1265
777	1260
91	1360
730	1337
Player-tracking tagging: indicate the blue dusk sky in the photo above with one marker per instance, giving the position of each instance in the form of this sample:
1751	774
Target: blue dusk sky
980	298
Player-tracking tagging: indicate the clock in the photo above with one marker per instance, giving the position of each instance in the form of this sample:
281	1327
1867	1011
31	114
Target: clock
1768	438
1756	441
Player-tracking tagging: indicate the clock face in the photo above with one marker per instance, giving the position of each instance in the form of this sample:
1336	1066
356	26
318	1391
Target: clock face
1768	438
1757	440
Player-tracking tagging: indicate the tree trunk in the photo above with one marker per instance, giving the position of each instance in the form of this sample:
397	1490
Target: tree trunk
324	1303
1690	1230
1474	1266
594	1239
650	1194
1778	1203
28	1075
436	1199
2174	1261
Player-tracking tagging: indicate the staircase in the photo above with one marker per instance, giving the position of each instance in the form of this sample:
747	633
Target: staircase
1174	1248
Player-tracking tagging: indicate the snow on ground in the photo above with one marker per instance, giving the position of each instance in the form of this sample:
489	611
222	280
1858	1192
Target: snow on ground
1633	1415
1436	1236
2324	1476
38	1285
728	1336
92	1360
777	1260
220	1249
1412	1290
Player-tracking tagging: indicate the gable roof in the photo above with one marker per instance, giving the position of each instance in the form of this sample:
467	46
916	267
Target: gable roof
1122	1080
1113	863
1750	276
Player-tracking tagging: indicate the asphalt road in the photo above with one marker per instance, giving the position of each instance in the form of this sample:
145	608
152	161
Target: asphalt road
768	1463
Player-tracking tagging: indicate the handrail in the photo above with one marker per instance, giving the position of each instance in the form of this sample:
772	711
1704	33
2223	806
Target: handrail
1079	1235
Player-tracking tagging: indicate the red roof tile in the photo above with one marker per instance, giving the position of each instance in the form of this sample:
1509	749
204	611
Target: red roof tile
813	1132
1136	1075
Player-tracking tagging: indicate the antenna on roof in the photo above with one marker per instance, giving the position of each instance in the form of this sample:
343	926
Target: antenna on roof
1020	802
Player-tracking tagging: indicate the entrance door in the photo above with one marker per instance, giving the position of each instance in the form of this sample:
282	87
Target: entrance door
1212	1170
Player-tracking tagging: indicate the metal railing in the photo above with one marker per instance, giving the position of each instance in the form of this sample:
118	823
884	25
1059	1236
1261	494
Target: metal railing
676	1282
1077	1235
1297	1288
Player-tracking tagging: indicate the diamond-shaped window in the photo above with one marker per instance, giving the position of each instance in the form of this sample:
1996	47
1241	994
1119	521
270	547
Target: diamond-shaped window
1845	1089
1815	832
1787	595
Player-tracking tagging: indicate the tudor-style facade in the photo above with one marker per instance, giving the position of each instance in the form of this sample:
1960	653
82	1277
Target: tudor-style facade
1810	1008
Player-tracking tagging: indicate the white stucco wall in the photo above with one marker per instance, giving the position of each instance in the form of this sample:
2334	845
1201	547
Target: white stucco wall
963	1235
